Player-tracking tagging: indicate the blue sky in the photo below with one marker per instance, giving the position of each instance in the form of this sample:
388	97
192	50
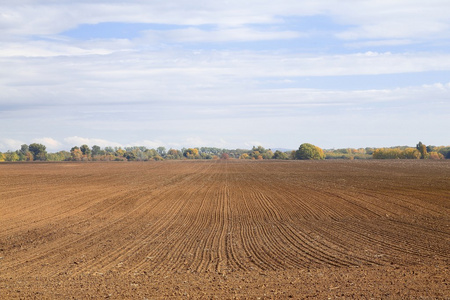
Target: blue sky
232	74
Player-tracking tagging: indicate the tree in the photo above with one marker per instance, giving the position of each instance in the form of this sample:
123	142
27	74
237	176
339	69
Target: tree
119	152
29	156
24	149
130	156
38	151
422	149
109	149
11	156
268	154
445	151
244	156
387	153
411	153
280	155
85	150
59	156
191	153
161	151
76	154
309	151
96	150
436	155
260	153
174	154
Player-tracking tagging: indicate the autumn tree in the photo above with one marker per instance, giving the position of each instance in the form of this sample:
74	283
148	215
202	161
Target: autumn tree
76	154
174	154
119	152
191	153
422	149
387	153
309	151
11	156
244	156
435	155
411	153
396	153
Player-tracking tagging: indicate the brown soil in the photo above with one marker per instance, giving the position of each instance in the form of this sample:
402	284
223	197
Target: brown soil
225	229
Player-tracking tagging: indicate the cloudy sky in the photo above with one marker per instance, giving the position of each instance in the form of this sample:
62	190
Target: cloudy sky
231	74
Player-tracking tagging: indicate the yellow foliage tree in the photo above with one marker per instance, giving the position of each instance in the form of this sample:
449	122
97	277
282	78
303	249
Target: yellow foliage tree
244	156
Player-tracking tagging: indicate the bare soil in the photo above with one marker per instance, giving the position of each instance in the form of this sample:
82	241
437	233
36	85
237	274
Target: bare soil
225	229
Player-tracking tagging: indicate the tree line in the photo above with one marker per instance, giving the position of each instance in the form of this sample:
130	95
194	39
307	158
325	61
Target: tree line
306	151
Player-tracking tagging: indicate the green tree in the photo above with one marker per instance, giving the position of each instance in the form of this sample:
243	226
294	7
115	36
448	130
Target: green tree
59	156
280	155
24	149
161	151
268	154
309	151
96	150
445	151
24	153
38	151
109	150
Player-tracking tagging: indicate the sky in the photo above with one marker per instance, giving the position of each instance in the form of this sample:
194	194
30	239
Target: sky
228	74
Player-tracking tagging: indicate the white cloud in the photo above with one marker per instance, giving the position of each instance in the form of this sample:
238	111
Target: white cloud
50	143
196	35
402	19
7	144
183	77
370	19
44	17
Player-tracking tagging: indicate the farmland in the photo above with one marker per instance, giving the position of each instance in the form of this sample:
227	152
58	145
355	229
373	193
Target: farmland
225	228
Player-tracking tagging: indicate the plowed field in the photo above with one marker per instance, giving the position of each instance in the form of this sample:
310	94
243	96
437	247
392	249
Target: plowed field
231	229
